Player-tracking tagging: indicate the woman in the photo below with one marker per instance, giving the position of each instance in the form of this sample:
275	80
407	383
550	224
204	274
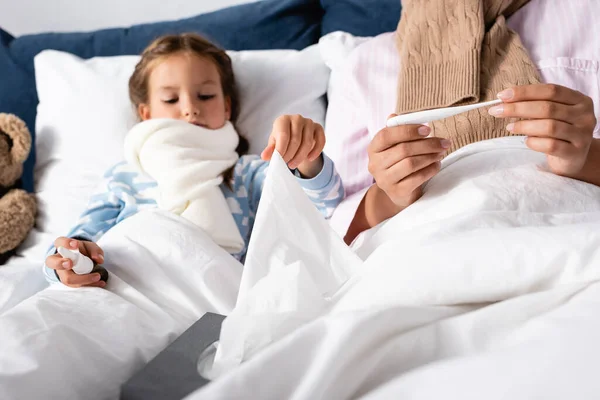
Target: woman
559	110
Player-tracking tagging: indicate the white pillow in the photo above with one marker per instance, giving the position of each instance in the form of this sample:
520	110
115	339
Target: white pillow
336	48
84	114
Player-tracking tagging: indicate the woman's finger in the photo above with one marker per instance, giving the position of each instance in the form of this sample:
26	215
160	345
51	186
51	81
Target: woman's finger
552	147
549	128
410	183
410	165
389	137
395	154
535	110
542	91
306	145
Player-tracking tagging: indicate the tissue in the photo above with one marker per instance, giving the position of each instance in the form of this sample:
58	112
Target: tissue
294	266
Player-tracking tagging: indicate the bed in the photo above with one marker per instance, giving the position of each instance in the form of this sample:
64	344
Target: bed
503	304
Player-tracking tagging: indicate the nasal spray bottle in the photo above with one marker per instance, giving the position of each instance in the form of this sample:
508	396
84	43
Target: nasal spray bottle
82	264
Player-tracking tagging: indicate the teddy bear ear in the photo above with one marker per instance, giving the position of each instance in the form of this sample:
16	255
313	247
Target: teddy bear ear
16	129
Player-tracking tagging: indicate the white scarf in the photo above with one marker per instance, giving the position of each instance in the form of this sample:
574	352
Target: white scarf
187	163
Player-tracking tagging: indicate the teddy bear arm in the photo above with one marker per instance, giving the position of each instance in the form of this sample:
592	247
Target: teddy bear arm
17	217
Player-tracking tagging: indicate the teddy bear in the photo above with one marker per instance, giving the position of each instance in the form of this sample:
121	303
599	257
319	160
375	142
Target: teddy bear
17	207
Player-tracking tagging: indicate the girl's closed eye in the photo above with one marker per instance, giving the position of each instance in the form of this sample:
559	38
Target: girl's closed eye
206	97
171	101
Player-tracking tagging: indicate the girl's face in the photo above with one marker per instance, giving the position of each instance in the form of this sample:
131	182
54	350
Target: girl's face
187	87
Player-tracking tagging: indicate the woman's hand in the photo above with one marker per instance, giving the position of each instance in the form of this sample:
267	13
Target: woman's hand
402	159
558	122
300	142
63	266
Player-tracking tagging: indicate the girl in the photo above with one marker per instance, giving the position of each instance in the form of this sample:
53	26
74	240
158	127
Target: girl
184	77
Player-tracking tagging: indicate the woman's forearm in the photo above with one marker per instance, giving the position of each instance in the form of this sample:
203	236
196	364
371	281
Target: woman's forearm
374	208
590	172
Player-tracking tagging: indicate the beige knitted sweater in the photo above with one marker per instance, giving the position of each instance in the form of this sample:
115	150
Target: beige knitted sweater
456	52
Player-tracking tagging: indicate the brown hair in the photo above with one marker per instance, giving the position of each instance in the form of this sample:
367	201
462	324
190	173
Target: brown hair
195	44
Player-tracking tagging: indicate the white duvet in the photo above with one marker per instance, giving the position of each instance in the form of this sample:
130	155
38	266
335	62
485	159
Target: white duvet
64	343
487	287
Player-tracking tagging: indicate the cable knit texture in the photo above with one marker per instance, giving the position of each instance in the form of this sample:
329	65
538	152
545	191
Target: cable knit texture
456	52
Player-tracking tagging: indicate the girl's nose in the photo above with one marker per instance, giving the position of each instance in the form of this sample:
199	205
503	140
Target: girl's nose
188	107
190	111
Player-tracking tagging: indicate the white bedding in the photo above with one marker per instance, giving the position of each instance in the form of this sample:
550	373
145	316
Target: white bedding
19	279
20	276
488	287
64	343
485	288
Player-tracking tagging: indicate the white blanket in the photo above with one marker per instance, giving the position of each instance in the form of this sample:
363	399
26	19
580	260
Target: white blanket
64	343
187	162
484	288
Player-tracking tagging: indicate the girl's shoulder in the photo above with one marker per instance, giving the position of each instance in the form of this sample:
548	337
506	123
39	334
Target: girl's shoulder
248	163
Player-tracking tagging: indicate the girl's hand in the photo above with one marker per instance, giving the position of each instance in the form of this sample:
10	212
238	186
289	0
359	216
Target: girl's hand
63	265
558	122
300	142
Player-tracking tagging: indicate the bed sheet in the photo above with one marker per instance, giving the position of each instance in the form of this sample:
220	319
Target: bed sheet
21	276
